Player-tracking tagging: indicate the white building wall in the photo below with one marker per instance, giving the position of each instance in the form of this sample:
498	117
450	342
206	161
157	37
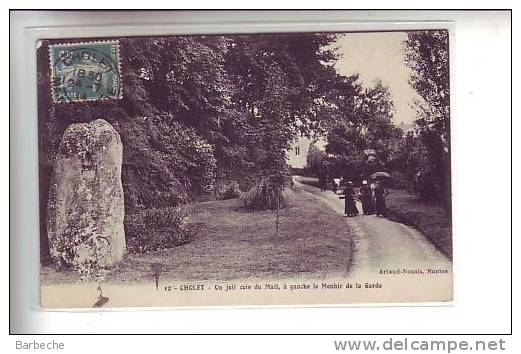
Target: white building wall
298	153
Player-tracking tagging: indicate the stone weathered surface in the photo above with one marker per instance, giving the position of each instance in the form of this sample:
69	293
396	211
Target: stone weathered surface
86	210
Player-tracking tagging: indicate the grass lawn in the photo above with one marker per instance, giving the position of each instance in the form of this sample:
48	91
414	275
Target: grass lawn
431	220
230	242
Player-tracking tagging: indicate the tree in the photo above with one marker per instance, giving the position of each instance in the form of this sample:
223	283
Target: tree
280	80
362	136
427	54
315	160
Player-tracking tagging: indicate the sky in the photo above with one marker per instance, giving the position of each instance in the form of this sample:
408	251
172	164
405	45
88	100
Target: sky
379	55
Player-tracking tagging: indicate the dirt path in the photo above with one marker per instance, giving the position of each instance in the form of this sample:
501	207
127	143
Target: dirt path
381	243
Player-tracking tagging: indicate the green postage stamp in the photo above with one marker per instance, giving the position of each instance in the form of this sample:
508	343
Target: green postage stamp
87	71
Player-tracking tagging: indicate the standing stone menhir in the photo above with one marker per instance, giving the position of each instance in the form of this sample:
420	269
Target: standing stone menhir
86	209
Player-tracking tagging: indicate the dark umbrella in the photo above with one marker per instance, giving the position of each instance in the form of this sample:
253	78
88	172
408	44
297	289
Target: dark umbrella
380	174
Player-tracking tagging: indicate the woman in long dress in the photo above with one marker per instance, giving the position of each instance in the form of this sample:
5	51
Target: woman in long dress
366	196
379	199
349	196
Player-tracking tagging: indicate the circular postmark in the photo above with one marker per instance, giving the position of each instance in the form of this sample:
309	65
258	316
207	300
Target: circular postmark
85	71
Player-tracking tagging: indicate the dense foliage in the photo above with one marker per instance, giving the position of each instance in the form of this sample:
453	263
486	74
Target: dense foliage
316	160
156	229
201	116
362	138
427	54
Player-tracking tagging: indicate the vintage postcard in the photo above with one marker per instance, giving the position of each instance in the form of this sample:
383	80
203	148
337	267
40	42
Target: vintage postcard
297	169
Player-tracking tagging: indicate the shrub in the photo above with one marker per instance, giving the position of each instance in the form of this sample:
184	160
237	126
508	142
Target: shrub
263	195
227	190
426	185
164	163
155	229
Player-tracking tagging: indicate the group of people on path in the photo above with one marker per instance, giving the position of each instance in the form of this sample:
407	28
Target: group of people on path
372	198
323	178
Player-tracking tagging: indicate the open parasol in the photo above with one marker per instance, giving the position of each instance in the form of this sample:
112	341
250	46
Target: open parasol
380	175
